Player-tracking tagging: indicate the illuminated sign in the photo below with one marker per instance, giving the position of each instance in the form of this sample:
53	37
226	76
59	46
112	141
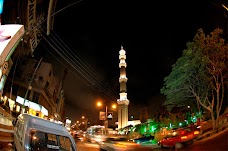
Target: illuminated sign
110	115
32	105
102	115
32	23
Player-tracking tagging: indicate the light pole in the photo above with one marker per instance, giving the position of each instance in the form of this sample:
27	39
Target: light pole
106	113
106	117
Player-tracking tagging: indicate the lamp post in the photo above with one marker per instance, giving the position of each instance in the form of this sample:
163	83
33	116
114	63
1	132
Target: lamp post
106	113
106	117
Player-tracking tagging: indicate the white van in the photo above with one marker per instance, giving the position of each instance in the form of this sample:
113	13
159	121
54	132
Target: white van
96	134
32	133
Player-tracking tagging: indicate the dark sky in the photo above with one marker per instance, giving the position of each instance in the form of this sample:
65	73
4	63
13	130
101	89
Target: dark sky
153	33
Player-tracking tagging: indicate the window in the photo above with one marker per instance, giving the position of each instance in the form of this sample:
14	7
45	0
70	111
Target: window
15	90
38	141
65	143
41	141
35	97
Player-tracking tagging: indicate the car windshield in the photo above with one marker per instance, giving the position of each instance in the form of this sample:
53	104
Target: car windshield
178	132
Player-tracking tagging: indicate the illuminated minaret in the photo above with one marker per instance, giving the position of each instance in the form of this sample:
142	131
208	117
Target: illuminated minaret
123	102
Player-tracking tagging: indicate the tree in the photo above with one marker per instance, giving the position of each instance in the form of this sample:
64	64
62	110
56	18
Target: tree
200	75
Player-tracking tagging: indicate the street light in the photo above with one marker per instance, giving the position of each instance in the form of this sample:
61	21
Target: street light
84	121
106	113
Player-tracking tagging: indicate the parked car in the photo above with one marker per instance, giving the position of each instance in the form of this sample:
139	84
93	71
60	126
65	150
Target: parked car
144	139
179	137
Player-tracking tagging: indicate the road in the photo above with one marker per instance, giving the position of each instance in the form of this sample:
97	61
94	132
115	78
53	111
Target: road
85	146
218	142
215	143
82	146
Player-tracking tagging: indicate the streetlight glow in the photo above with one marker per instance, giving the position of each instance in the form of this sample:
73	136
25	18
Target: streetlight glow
114	106
99	104
106	112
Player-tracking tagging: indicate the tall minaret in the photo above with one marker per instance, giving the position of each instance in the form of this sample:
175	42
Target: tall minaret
123	101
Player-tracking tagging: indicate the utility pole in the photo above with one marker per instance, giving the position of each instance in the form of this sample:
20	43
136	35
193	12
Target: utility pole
106	117
30	84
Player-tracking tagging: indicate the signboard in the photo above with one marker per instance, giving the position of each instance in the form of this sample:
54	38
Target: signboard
102	115
110	115
31	15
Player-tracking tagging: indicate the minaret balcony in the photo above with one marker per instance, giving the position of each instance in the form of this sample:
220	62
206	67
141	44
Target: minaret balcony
123	102
123	79
122	61
122	65
122	57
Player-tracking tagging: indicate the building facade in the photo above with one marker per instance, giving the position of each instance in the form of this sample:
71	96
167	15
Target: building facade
26	81
36	83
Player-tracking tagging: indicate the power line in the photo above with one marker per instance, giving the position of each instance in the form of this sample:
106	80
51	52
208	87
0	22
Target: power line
83	70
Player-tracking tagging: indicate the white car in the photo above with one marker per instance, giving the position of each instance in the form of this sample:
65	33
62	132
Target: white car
96	134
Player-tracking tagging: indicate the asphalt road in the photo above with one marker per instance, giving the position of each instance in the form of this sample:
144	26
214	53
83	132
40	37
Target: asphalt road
85	146
217	142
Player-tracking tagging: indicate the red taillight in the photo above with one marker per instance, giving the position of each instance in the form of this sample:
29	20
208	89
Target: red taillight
182	132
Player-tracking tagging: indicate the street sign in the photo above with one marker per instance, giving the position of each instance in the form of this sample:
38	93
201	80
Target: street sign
110	115
102	115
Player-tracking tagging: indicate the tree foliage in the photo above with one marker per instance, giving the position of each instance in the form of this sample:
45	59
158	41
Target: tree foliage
200	75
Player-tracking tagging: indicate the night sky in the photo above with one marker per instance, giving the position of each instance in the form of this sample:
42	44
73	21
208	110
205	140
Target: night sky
153	34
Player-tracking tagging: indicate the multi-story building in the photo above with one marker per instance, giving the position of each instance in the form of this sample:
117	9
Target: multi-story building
35	84
27	81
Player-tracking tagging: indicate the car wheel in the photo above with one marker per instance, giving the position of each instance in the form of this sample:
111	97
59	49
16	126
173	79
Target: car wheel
178	145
